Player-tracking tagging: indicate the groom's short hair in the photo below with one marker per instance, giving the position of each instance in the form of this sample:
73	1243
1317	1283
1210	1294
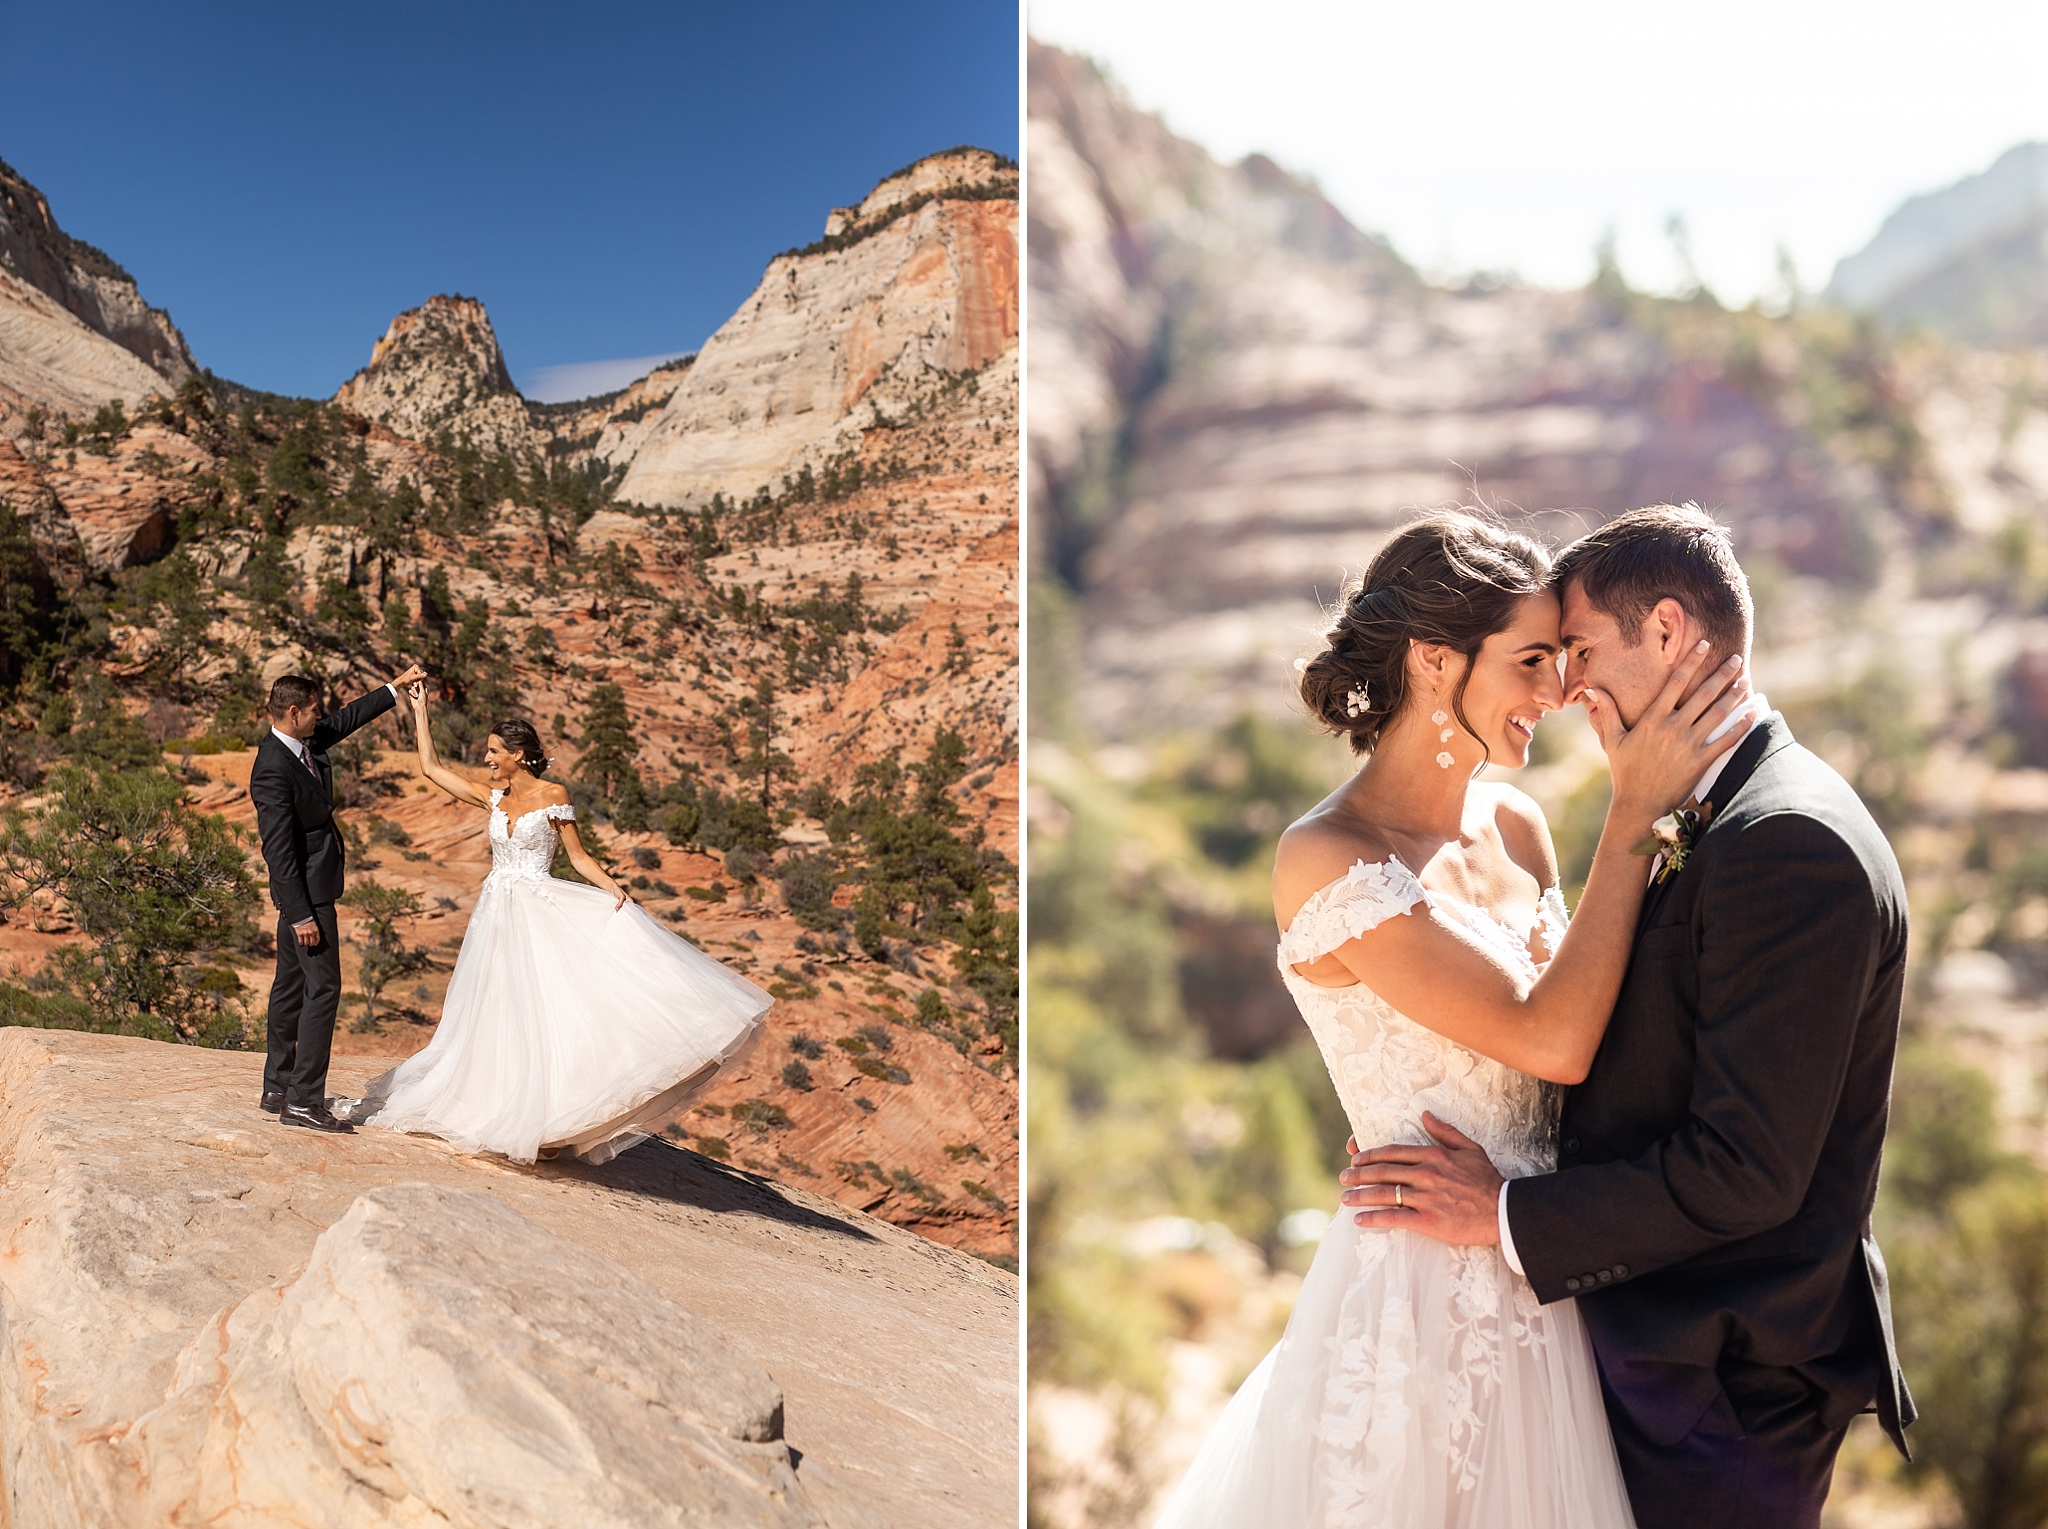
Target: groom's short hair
293	690
1665	552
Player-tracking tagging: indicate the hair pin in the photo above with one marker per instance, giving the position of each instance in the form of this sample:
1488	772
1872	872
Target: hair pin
1357	703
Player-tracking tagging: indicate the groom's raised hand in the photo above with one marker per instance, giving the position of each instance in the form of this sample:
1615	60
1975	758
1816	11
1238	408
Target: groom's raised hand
412	676
1448	1191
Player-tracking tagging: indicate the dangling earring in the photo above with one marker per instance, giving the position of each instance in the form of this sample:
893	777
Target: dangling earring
1442	719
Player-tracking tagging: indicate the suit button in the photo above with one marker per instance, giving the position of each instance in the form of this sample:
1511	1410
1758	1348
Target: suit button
1571	1146
1606	1276
1571	1284
1621	1271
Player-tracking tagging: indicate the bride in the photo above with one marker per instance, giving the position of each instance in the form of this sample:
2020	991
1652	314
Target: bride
574	1023
1423	939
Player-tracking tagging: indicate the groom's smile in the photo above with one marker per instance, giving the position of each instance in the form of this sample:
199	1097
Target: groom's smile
1598	655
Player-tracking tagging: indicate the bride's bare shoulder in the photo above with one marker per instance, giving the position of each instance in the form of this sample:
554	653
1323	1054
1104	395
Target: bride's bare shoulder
1317	849
552	795
1524	831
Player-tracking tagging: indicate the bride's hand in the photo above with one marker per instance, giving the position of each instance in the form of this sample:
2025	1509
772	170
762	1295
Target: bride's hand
1659	760
620	897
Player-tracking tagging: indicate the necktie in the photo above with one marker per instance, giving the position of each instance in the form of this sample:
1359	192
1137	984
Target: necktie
306	758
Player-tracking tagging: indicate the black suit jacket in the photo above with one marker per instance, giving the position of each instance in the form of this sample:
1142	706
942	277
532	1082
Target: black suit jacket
1718	1165
302	847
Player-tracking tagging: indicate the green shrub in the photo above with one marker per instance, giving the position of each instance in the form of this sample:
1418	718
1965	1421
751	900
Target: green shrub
760	1115
163	893
875	1067
809	882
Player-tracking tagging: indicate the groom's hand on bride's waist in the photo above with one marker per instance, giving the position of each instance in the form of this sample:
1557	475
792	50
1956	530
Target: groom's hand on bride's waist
1448	1191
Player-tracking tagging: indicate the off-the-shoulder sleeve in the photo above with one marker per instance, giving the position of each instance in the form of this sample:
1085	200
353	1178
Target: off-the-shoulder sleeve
1552	919
561	810
1363	898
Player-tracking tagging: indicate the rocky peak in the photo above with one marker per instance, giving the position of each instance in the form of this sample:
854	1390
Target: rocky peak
951	170
439	368
1926	231
84	281
1965	261
919	284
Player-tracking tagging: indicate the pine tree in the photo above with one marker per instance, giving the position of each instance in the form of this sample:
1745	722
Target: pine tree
763	762
610	763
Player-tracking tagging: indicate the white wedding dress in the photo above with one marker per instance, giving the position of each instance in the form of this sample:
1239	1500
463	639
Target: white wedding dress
1417	1386
568	1025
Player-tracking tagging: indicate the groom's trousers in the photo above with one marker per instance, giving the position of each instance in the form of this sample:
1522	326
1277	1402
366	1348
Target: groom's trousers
1761	1457
304	998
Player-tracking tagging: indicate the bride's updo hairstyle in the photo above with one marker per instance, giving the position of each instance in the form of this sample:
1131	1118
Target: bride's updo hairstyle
1449	578
525	742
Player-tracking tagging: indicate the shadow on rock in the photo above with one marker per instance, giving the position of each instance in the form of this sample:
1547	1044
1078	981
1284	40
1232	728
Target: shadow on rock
663	1171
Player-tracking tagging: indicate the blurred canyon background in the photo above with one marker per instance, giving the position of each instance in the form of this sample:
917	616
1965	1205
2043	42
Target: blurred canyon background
1234	393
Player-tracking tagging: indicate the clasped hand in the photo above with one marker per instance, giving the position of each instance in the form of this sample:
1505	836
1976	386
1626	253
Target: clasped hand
1449	1190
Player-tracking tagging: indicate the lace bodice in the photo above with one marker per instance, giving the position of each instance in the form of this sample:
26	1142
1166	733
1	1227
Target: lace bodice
525	848
1387	1068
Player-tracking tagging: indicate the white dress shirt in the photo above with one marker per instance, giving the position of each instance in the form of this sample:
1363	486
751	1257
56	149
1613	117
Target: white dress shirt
1757	707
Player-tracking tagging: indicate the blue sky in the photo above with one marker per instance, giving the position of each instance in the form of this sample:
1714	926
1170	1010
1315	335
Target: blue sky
609	178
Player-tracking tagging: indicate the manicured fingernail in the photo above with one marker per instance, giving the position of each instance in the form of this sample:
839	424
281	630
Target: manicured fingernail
1701	646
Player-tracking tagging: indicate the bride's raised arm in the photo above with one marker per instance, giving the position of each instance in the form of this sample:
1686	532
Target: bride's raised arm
1439	973
460	787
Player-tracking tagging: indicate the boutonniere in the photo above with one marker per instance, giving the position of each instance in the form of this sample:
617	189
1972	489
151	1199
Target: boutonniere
1674	835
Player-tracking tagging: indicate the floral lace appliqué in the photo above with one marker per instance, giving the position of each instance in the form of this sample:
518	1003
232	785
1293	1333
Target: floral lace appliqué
524	849
1388	1070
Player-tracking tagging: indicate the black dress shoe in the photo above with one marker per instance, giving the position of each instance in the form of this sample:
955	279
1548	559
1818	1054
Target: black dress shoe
271	1103
314	1117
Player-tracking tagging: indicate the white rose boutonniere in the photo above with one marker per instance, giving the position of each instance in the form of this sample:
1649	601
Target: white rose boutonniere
1673	835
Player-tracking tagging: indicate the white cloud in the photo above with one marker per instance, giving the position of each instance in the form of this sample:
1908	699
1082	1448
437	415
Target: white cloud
1495	134
586	379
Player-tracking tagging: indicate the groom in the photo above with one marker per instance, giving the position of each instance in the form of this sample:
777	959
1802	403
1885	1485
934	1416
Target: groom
292	785
1716	1168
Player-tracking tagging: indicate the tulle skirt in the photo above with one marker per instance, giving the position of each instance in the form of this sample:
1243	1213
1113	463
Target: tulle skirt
1417	1386
568	1027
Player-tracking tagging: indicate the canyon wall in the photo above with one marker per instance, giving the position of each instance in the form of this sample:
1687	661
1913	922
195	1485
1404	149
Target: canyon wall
839	338
84	282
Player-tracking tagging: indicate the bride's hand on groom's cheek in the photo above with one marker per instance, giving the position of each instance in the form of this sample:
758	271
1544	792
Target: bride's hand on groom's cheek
1448	1190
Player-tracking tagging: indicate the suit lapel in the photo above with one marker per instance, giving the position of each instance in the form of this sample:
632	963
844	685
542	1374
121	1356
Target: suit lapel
303	779
1764	737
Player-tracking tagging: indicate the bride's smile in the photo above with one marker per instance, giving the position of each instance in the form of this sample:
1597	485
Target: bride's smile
1513	682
